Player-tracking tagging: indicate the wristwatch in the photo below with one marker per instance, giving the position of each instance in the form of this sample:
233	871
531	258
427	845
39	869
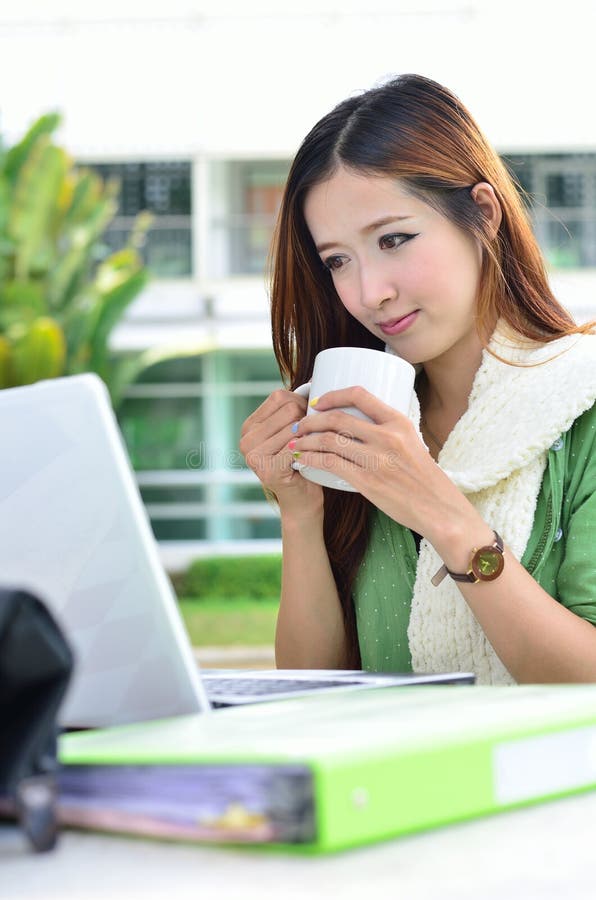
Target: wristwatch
486	564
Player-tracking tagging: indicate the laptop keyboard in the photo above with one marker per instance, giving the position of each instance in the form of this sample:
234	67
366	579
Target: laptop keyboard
255	687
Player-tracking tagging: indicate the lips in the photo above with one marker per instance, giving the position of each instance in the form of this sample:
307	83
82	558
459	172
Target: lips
397	326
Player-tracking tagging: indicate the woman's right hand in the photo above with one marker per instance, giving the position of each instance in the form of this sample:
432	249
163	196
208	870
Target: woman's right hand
264	442
310	630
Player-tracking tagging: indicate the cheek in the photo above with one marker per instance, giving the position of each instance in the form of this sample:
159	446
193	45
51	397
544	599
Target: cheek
430	273
348	296
452	270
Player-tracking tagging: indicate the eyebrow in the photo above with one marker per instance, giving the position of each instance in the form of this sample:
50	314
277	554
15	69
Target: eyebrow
378	223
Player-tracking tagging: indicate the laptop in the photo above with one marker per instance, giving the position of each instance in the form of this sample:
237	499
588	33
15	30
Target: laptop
74	530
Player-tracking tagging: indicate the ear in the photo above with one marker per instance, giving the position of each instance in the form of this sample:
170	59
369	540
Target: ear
483	194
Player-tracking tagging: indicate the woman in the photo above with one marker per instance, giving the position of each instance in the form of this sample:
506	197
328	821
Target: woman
401	229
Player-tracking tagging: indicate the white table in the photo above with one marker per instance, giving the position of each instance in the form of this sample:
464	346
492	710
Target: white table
543	852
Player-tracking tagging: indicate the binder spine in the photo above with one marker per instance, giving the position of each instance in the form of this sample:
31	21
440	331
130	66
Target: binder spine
360	802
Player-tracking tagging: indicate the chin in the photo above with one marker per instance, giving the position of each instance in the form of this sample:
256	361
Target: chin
407	353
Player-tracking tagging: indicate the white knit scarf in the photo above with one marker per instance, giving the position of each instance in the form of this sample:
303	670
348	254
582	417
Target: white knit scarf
496	455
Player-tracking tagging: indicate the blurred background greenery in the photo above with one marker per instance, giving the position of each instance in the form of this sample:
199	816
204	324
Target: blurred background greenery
230	600
61	294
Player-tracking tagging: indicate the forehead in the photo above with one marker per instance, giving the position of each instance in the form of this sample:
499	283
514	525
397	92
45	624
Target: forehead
355	199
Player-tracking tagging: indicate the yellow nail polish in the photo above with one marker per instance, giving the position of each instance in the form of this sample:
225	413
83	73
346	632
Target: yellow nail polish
296	454
314	401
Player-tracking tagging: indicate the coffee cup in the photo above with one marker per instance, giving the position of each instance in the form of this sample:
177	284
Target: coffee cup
388	377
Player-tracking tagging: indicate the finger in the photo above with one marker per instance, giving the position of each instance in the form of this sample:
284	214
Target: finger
266	447
268	439
331	442
338	421
268	456
259	450
344	468
265	464
277	428
362	399
293	405
365	469
271	419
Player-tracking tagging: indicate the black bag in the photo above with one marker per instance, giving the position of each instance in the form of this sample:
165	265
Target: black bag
35	668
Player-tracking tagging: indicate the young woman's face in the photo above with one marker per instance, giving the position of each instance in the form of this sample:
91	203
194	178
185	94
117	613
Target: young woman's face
400	268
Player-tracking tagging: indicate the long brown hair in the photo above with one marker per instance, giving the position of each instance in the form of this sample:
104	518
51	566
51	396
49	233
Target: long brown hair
417	131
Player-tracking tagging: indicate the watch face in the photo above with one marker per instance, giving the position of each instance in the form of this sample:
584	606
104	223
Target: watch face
487	563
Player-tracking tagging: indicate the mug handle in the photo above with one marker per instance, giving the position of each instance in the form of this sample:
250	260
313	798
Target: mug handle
302	390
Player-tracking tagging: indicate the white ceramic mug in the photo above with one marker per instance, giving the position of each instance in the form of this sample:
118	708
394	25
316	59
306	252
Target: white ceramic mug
388	377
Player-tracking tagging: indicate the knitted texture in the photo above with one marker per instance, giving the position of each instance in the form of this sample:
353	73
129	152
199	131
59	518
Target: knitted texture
496	455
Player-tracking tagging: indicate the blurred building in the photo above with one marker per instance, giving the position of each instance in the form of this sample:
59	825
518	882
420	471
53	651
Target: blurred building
198	107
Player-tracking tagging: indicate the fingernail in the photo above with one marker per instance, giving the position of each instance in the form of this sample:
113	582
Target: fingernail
314	401
296	454
291	444
295	427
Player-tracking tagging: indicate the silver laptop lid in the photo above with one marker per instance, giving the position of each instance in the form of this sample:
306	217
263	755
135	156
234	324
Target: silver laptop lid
74	530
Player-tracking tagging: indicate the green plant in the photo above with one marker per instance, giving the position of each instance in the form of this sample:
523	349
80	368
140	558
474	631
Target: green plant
59	301
256	577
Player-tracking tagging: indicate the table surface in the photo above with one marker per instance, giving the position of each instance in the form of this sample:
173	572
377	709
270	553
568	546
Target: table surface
542	852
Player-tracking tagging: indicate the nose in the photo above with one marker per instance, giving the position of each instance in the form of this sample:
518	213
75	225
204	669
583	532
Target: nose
375	286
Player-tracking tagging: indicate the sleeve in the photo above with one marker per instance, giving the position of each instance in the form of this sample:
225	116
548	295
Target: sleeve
576	580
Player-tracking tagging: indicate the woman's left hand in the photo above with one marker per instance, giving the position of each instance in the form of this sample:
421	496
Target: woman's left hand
384	459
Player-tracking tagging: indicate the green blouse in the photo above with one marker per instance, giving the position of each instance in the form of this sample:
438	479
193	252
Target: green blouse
561	553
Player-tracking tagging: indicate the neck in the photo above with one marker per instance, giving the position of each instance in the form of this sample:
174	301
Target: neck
448	381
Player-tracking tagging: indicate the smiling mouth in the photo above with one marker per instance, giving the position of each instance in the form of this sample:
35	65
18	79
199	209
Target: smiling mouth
396	326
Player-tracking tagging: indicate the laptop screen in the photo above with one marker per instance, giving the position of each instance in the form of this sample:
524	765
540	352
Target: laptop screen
73	529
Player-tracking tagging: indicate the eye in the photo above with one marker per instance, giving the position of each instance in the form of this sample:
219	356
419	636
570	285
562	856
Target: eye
393	241
333	263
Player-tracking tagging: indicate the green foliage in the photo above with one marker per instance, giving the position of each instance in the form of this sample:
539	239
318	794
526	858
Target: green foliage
58	302
255	577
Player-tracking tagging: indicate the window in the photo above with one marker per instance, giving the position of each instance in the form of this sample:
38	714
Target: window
181	422
164	189
245	198
162	430
561	191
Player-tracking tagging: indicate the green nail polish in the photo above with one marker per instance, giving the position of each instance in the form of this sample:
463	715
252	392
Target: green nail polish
296	454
